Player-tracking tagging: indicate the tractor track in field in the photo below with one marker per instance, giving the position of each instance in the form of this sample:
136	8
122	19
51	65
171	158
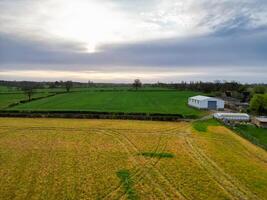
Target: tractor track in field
164	132
226	182
78	129
234	189
151	166
247	152
2	134
137	172
254	155
148	166
165	179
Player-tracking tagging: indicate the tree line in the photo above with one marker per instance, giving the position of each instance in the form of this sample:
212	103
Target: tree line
254	94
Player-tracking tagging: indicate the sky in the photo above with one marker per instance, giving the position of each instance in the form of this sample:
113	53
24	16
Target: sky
121	40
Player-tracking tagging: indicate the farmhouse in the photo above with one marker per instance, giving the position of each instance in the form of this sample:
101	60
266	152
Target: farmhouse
204	102
260	122
232	117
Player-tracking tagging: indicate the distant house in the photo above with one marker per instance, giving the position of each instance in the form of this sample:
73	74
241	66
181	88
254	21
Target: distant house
232	117
205	102
260	122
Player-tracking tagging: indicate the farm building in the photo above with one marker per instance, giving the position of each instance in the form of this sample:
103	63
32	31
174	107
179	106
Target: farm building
204	102
233	117
260	122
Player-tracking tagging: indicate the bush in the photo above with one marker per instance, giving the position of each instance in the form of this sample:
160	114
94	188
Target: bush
258	104
92	115
157	155
259	89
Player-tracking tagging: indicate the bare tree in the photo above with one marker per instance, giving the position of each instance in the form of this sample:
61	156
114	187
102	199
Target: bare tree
29	91
68	85
137	84
90	83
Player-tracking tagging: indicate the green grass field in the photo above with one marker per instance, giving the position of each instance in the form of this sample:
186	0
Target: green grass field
10	95
170	102
4	89
254	134
60	159
202	125
7	99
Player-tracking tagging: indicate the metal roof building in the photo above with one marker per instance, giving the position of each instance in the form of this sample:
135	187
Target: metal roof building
241	117
260	121
205	102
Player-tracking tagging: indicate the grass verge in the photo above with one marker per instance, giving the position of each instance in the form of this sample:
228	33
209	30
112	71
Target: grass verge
254	134
125	177
203	125
157	155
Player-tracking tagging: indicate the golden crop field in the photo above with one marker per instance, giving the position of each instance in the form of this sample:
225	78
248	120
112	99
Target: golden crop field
112	159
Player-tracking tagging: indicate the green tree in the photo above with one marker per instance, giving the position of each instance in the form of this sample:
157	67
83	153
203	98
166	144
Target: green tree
258	104
68	85
29	91
137	84
259	89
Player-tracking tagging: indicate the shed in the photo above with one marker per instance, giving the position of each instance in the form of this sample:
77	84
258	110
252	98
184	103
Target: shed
205	102
260	122
233	117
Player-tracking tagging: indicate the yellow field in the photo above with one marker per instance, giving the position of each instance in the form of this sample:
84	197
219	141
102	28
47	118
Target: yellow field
104	159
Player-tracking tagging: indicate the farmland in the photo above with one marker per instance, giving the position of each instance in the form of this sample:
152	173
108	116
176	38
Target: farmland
170	102
11	95
7	99
104	159
11	98
254	134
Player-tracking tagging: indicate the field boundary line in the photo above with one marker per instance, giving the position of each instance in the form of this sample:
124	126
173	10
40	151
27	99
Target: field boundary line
174	190
138	173
226	181
76	129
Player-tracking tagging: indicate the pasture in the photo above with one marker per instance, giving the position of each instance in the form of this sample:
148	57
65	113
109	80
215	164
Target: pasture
7	99
4	89
166	102
104	159
254	134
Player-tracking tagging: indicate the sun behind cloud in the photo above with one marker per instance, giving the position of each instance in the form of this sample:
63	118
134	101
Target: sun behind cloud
93	23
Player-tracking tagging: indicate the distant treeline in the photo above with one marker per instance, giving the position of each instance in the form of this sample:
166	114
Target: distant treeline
254	94
39	85
61	84
217	88
208	87
196	86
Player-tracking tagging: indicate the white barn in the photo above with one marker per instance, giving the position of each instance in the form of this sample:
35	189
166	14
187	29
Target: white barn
204	102
239	117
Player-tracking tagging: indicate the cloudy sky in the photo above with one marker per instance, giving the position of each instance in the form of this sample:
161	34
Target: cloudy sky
120	40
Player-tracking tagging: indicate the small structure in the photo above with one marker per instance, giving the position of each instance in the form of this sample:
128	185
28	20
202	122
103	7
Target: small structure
232	117
204	102
260	122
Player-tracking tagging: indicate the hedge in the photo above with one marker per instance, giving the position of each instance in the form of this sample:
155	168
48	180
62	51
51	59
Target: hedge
95	115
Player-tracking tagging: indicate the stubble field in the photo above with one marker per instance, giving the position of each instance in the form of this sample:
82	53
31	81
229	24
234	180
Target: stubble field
103	159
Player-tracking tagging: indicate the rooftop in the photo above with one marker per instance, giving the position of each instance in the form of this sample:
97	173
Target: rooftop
232	114
201	97
262	119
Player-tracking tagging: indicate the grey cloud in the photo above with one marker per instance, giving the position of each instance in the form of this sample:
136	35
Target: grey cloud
200	51
208	51
227	15
238	42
